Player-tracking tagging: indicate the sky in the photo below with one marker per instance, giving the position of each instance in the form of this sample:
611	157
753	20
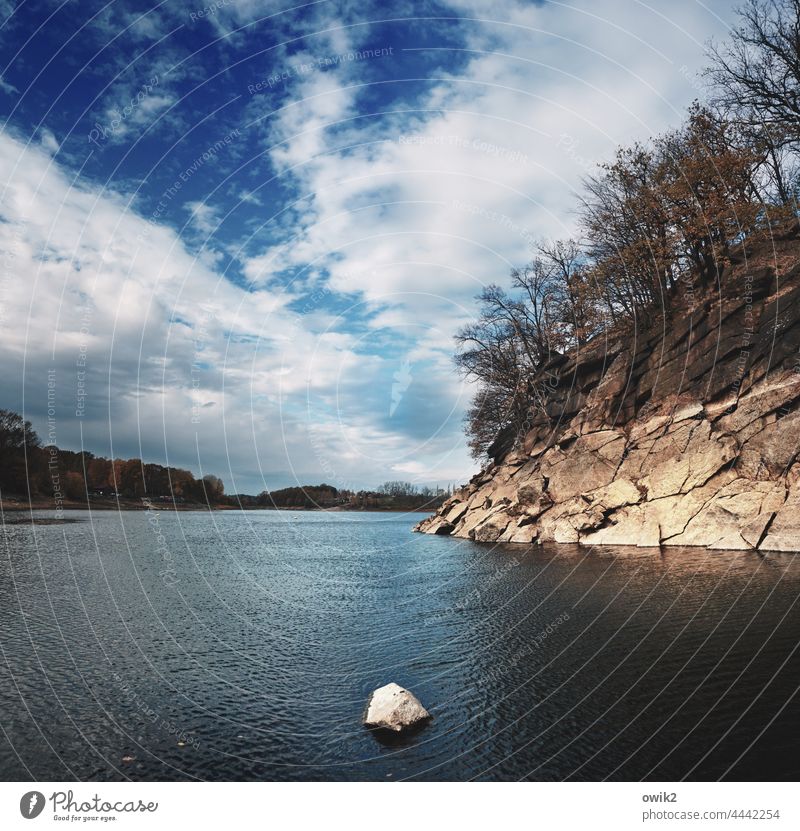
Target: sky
239	237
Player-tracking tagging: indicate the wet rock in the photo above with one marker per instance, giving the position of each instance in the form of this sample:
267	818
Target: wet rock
393	708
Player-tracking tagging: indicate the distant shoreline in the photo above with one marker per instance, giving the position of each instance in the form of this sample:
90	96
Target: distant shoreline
14	506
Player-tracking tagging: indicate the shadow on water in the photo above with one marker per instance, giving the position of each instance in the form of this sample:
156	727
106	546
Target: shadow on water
394	739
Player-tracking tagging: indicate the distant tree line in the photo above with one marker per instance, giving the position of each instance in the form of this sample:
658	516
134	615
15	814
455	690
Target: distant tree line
657	224
28	467
389	496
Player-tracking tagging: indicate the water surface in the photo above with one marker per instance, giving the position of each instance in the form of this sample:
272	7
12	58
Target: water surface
244	646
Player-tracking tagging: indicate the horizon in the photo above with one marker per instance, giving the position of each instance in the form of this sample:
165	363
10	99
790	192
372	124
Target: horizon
207	293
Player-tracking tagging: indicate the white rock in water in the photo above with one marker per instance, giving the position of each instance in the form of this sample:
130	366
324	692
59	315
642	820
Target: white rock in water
393	708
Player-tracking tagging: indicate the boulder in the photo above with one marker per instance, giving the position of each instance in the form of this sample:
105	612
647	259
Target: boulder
491	529
394	708
435	525
475	517
565	531
630	526
531	499
526	534
455	513
784	532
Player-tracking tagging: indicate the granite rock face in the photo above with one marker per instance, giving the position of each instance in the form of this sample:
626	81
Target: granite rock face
687	434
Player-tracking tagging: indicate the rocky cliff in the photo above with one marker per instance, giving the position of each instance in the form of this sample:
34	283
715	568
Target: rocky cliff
686	433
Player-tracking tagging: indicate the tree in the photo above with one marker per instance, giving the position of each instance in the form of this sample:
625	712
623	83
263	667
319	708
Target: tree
629	240
129	477
706	185
214	487
756	72
16	433
666	209
578	310
19	455
397	488
659	213
74	486
98	474
504	349
755	83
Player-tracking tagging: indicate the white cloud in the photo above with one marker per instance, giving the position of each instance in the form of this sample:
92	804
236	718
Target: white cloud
419	211
175	356
205	218
7	88
48	141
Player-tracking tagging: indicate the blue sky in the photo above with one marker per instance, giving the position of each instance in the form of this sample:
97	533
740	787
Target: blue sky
241	236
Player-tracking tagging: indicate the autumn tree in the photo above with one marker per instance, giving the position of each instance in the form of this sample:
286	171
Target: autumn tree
666	209
18	451
74	485
628	234
705	183
214	487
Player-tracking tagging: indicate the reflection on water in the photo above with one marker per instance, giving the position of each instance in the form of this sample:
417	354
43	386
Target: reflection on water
244	646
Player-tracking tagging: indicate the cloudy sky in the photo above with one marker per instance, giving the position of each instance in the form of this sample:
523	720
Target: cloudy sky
239	238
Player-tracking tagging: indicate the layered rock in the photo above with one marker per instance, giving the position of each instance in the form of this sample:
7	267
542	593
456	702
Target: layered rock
687	433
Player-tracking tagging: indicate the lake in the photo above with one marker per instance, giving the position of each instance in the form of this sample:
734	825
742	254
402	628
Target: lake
244	646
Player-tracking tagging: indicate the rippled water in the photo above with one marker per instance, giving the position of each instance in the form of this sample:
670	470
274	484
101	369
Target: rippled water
244	646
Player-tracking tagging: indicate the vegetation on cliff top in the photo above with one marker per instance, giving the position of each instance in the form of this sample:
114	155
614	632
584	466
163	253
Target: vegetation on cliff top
658	225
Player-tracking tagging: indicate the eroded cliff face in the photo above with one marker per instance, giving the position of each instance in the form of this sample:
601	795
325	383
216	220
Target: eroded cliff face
686	434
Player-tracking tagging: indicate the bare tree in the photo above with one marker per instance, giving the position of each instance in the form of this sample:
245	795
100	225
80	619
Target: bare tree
755	83
580	314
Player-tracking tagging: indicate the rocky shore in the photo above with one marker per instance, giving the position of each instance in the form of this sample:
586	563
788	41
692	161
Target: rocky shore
685	433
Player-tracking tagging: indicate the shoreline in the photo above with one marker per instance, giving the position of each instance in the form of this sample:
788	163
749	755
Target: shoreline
15	507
